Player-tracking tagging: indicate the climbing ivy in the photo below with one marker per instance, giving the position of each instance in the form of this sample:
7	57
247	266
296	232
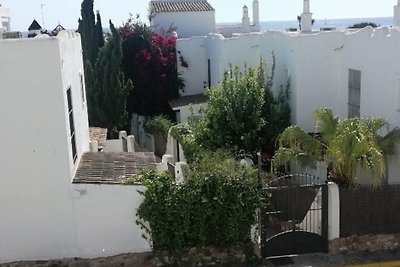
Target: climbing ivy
215	207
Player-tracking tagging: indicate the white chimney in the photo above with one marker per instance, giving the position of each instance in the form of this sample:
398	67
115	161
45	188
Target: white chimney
306	17
396	15
256	13
245	20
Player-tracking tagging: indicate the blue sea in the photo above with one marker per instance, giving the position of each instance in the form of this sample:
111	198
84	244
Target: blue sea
319	23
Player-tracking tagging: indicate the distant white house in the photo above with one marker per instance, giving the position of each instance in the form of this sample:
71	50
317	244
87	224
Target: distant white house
188	18
5	19
182	17
34	29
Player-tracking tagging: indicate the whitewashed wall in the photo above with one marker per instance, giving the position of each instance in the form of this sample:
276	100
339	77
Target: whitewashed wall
185	112
42	214
72	76
104	217
187	23
197	64
5	18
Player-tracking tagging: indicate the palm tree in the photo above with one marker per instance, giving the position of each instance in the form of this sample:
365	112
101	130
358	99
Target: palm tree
346	145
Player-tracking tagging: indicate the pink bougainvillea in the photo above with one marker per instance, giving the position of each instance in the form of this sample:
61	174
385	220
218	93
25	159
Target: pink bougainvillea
150	61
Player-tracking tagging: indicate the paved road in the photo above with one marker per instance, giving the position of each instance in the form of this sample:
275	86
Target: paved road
368	259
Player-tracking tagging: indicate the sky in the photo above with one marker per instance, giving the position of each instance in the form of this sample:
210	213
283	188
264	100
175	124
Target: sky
67	12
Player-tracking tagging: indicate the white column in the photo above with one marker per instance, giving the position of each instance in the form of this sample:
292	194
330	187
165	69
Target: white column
245	20
306	6
131	144
163	166
256	13
306	17
333	211
94	146
180	172
396	15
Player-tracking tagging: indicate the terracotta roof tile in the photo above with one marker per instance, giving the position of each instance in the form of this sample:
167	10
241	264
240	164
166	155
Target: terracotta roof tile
112	168
98	134
187	6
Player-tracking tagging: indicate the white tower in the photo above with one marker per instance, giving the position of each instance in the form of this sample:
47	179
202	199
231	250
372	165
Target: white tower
245	20
306	17
256	13
396	14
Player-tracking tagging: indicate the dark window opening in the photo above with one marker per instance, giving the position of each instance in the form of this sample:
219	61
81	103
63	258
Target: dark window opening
209	73
354	93
71	125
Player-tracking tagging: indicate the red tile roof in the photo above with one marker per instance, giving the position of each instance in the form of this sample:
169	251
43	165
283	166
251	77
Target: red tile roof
112	168
187	6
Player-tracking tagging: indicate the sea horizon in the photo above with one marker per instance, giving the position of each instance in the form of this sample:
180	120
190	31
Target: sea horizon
339	24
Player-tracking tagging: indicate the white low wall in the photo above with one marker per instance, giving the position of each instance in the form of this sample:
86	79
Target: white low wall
105	217
85	220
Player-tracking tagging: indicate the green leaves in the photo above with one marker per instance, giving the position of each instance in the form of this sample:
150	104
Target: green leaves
107	89
216	207
158	125
348	145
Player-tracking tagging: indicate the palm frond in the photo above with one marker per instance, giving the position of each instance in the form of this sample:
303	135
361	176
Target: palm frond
375	124
326	123
387	143
296	138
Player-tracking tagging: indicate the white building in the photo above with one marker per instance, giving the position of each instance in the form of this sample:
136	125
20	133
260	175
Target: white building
57	199
5	19
188	18
228	30
182	17
356	73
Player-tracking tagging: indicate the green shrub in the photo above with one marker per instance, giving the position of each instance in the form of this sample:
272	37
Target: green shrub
158	125
215	207
185	135
363	25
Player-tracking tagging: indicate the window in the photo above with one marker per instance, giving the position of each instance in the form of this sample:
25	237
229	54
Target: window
354	93
209	73
82	89
71	125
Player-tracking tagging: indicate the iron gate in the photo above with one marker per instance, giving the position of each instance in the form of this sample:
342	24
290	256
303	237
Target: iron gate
296	222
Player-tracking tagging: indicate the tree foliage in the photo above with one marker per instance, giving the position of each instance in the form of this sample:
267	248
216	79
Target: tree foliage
106	87
149	60
243	115
363	25
91	32
215	207
107	96
347	145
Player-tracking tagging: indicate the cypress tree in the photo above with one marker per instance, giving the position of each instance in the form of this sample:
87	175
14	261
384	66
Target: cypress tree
91	32
107	103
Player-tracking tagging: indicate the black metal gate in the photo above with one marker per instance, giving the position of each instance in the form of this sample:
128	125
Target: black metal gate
296	222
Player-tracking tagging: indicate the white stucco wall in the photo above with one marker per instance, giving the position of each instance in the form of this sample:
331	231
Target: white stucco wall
187	23
36	168
42	214
185	112
5	18
105	220
197	64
